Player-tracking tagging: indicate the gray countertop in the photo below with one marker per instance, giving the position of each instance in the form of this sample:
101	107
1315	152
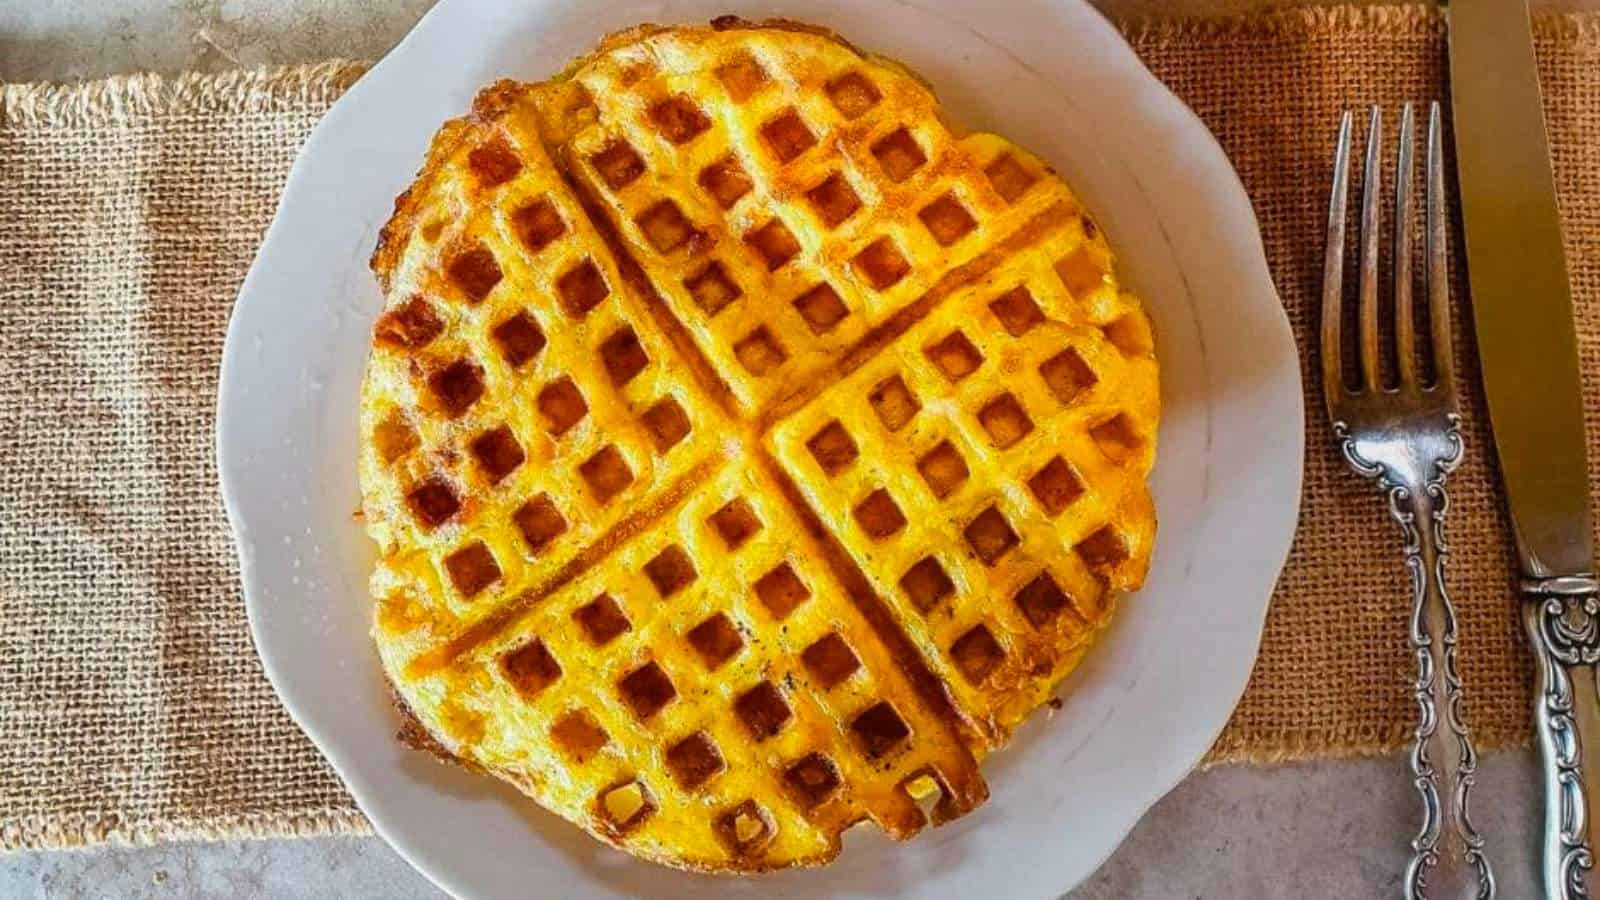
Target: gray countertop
1330	829
1305	830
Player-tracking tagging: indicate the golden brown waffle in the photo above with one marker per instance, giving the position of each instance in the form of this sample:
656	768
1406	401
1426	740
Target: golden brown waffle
748	451
987	474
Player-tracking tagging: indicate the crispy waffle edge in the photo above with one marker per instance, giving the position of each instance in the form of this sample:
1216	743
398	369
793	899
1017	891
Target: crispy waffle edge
413	734
491	103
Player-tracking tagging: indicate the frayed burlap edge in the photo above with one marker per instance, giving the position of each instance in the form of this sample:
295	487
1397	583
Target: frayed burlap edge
1333	21
1356	743
123	99
140	97
74	832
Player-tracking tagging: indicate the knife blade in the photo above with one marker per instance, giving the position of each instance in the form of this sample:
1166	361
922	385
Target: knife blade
1528	353
1521	299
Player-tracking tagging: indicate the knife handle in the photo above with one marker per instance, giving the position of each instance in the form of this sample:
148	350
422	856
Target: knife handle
1447	853
1562	616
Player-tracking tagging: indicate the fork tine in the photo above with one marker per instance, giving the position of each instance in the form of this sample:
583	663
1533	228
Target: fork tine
1404	328
1438	274
1333	269
1373	184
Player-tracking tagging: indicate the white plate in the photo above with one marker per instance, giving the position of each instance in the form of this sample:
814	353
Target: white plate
1152	696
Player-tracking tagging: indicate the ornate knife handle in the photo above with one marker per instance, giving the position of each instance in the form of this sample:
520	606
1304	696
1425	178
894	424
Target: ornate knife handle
1562	616
1447	853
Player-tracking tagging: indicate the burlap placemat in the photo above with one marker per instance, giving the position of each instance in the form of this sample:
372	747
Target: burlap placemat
132	706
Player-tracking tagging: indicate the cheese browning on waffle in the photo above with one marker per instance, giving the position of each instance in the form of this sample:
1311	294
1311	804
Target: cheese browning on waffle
710	673
748	451
518	402
786	195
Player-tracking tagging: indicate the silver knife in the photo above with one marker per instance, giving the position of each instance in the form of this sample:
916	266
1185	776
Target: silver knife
1522	306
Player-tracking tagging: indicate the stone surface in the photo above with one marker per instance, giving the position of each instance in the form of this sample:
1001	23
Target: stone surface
57	40
1310	830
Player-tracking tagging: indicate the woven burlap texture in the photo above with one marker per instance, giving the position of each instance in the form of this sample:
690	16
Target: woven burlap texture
132	705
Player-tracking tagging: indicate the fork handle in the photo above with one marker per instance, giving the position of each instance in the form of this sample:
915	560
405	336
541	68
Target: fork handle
1447	853
1562	617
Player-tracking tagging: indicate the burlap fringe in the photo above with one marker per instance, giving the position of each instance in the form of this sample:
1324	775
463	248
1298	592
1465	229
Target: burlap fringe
1301	746
1326	21
126	98
75	832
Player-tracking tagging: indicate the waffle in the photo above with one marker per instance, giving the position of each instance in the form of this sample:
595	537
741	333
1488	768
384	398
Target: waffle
749	451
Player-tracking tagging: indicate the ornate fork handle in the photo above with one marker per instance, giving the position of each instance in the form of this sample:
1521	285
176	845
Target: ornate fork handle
1447	853
1562	617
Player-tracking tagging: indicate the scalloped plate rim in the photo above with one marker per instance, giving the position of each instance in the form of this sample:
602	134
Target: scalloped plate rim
238	461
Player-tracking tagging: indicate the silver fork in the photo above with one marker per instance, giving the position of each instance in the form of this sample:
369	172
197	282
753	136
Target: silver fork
1408	437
